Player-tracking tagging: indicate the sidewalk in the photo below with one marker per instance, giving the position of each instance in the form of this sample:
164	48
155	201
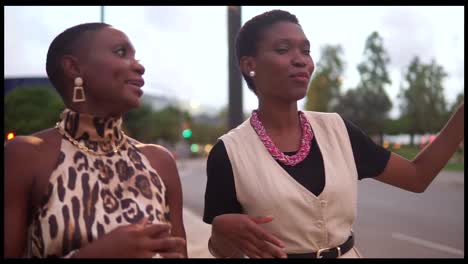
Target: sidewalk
197	233
196	230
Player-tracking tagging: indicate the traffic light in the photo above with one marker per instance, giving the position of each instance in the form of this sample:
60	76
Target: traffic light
194	148
187	133
10	136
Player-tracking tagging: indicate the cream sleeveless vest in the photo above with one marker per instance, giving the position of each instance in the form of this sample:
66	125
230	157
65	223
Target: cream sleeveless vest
303	221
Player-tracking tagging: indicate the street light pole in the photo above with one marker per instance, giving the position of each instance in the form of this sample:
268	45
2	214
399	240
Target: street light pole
235	111
102	14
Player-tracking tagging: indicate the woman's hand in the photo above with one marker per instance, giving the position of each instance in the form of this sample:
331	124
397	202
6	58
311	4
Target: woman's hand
246	234
140	240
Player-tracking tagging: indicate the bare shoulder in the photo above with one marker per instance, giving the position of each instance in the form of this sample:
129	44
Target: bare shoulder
162	160
38	151
156	154
32	146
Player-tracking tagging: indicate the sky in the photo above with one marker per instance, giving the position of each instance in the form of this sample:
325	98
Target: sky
185	49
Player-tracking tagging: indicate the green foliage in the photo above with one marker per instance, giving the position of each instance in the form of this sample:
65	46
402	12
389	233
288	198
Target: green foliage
368	105
149	126
396	126
207	134
168	123
373	69
138	123
31	109
460	98
325	87
422	102
350	106
456	162
459	166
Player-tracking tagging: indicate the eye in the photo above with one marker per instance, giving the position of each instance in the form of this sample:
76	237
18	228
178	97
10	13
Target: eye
306	51
282	50
121	51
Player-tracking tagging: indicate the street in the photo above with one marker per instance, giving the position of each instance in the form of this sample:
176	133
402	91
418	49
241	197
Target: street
391	223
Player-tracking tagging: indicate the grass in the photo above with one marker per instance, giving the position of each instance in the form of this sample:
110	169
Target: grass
455	166
455	163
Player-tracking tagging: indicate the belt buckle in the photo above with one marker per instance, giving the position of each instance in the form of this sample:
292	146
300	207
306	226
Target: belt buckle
322	250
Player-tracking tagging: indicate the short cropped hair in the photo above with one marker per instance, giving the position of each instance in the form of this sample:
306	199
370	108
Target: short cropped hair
66	43
251	32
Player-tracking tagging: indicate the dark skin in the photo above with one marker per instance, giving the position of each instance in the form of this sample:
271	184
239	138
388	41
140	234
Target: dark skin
282	52
108	66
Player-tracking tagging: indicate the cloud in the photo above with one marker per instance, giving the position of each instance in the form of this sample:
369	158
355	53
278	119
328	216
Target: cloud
169	18
406	34
30	30
184	49
29	40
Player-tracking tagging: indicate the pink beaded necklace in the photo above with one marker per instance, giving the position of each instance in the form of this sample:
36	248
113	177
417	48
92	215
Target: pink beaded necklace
277	154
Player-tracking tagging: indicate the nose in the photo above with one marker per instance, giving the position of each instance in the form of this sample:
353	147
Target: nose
299	59
138	67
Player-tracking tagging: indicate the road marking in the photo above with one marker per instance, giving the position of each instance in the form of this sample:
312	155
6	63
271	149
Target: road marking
428	244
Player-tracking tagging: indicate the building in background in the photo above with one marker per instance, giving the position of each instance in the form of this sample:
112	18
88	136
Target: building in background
12	83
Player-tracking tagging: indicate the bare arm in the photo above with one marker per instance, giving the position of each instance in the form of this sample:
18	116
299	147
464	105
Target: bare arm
162	160
417	174
18	189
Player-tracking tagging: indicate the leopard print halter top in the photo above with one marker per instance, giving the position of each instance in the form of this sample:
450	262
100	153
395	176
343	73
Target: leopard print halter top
89	195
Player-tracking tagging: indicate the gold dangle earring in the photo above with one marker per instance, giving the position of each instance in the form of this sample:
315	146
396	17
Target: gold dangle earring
78	91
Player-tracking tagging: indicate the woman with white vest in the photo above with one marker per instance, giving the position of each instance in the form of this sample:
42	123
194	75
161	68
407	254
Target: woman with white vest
284	182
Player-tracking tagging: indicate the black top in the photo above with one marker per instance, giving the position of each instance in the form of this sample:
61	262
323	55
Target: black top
220	194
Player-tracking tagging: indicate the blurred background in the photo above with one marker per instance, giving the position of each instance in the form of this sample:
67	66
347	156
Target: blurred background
396	72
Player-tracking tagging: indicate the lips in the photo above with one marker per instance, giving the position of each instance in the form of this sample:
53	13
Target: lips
137	82
300	75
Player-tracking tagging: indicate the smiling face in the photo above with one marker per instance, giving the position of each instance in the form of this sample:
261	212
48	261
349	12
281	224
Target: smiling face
111	75
282	64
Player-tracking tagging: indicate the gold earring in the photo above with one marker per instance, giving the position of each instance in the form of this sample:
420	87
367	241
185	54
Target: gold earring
78	89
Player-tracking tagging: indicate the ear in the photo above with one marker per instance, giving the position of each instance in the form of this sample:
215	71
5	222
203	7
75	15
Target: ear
247	64
70	67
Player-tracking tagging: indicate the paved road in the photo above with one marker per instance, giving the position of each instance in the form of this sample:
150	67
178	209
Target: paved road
391	223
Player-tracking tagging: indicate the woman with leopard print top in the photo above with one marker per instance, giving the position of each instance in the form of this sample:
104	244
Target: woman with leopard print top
83	188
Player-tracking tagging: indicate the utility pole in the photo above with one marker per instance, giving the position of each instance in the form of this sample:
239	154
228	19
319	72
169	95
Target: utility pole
235	109
102	14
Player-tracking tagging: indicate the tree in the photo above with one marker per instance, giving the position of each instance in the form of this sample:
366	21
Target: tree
31	109
206	133
437	103
422	103
396	126
460	98
353	108
169	123
370	102
326	84
149	126
138	123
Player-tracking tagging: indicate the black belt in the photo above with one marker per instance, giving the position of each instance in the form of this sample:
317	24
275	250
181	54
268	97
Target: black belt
334	252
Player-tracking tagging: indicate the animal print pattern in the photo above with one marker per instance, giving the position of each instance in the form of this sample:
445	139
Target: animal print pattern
89	196
96	133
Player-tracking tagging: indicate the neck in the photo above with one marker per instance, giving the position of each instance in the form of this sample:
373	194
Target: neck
84	126
100	112
279	118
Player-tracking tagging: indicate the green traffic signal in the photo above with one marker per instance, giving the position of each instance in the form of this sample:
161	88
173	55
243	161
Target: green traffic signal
194	147
187	133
